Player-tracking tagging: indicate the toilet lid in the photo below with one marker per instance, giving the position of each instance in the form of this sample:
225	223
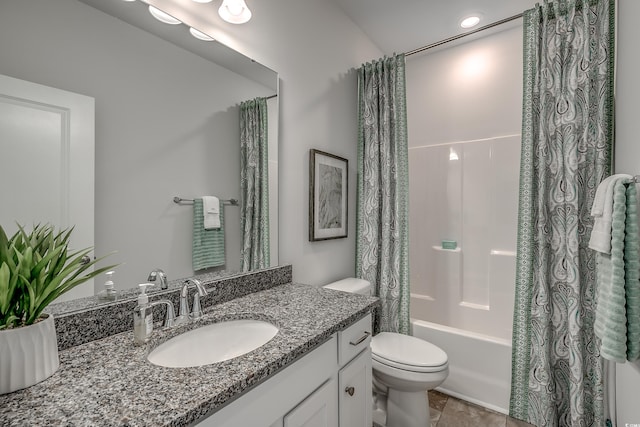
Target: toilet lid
407	352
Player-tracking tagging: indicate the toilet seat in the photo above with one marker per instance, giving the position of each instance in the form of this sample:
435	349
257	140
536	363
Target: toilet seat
407	353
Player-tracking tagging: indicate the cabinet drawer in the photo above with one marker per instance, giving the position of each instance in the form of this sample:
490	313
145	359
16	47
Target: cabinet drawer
354	339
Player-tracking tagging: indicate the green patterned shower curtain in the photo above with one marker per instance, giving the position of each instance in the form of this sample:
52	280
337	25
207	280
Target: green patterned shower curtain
567	143
254	185
382	215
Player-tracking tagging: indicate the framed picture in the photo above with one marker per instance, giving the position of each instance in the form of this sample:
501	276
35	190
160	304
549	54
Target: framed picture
328	193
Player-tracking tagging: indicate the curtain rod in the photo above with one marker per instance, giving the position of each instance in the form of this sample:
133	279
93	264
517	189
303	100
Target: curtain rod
272	96
459	36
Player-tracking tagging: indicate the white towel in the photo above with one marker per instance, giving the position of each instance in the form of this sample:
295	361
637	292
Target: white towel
602	211
211	212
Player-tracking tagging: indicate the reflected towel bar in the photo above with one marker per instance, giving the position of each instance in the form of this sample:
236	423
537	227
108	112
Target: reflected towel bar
232	202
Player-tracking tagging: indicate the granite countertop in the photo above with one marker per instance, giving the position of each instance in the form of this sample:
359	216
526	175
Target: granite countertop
109	382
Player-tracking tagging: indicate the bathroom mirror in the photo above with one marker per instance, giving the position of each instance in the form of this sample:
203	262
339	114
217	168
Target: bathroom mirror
166	123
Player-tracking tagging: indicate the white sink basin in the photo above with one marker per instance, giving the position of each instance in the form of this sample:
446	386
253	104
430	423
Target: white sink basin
213	343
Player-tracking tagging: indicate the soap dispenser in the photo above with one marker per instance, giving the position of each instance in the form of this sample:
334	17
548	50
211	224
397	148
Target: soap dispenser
109	292
143	316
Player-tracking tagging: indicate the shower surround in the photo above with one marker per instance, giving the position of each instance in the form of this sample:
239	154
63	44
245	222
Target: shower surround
464	117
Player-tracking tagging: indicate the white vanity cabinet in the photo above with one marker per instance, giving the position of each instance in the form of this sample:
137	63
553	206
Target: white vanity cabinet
318	410
329	387
354	377
348	396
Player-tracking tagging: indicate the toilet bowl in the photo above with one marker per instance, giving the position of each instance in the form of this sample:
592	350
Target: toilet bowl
404	369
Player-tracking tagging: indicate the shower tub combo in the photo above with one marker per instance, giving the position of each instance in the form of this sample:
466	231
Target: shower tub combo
463	221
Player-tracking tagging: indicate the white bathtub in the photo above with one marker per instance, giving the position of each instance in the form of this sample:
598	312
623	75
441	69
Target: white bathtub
479	365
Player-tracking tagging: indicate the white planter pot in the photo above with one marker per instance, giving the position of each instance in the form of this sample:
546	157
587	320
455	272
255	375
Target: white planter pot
28	355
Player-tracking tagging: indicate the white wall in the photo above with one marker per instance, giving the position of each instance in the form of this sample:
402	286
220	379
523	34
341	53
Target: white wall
464	114
167	123
315	49
627	160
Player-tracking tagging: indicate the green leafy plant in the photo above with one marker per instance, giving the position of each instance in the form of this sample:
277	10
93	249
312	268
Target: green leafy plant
35	269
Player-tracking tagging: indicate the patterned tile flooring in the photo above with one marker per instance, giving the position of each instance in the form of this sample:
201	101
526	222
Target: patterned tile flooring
447	411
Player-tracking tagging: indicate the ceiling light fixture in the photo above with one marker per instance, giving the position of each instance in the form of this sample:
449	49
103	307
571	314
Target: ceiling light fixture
163	16
200	35
470	21
234	11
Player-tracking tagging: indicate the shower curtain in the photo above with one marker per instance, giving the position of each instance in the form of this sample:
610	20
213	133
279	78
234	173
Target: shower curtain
382	254
254	185
567	136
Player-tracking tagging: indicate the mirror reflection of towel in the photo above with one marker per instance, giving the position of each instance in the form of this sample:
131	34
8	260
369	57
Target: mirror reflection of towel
208	245
211	212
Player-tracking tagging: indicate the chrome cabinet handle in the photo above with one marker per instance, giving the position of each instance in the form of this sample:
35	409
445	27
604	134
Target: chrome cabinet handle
350	390
362	338
85	260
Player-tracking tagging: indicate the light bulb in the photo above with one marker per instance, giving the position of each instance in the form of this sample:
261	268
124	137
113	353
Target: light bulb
200	35
234	8
234	11
470	21
163	16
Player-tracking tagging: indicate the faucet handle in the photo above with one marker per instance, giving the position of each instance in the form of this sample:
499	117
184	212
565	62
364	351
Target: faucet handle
196	309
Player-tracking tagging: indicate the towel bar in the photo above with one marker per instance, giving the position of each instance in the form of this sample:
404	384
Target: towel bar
231	202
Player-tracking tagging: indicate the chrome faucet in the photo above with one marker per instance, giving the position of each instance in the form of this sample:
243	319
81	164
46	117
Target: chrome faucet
158	273
170	316
196	311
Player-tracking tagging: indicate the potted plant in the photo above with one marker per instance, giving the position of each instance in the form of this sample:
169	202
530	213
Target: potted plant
35	268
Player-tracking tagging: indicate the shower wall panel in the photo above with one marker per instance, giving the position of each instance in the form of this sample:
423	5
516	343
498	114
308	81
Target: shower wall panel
465	192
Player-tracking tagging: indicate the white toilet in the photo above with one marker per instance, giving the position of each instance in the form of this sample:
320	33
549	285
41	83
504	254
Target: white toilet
404	368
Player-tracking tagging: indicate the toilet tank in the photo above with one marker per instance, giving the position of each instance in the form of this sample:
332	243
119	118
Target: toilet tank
352	285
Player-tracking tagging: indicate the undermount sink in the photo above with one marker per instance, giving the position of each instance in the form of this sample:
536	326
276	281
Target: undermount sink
213	343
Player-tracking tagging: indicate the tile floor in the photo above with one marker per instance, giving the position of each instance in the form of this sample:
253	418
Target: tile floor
447	411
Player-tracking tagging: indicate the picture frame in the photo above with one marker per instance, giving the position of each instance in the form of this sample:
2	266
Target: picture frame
328	196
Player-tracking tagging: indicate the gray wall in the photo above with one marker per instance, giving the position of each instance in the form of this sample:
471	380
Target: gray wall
166	124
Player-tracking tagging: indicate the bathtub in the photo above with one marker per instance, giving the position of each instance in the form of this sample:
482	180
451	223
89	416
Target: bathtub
479	365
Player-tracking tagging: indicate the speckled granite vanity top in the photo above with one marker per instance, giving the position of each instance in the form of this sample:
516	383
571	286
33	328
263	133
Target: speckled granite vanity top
109	382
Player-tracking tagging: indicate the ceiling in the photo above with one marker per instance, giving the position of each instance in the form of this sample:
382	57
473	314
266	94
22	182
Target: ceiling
397	26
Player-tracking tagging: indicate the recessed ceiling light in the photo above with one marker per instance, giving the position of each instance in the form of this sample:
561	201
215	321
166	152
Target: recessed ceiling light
470	21
163	16
200	35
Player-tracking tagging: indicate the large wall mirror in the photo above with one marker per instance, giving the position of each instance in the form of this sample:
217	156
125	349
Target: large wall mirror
167	109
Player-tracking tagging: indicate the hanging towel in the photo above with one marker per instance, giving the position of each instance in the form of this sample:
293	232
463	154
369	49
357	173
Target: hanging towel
211	212
208	245
602	210
632	273
617	321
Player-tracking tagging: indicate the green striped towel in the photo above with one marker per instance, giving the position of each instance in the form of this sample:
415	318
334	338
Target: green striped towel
208	245
617	322
632	274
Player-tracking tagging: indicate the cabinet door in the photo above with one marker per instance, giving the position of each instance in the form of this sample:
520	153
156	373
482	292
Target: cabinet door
354	388
318	410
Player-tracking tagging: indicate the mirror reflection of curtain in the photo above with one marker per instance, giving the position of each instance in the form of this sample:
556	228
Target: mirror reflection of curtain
567	132
254	185
382	241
